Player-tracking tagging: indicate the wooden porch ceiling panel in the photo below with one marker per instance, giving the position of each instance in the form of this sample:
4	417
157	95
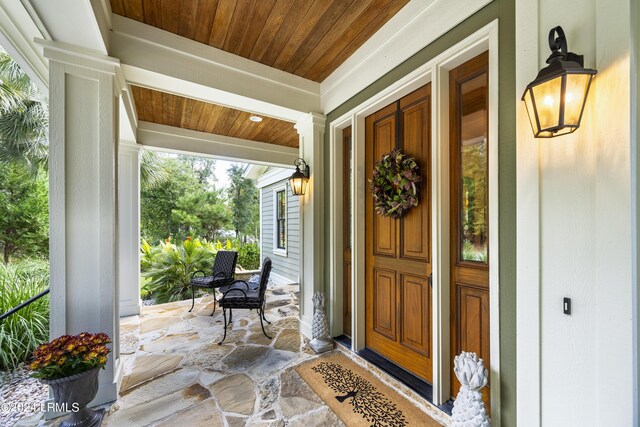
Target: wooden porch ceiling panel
309	38
173	110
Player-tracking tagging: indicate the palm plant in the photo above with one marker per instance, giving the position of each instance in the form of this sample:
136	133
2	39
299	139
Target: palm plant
153	169
24	117
170	267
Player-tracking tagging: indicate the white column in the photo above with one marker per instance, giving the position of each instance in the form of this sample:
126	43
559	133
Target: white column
83	93
129	228
311	132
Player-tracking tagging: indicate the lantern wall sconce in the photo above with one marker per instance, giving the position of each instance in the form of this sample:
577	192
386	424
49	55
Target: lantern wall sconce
555	100
300	178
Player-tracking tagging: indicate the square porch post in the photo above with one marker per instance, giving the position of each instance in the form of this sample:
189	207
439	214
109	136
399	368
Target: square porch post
311	132
84	88
129	228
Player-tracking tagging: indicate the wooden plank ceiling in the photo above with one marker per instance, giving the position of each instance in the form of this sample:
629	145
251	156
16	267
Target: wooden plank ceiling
172	110
309	38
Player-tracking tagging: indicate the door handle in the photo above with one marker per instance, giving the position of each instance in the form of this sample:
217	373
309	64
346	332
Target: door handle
431	280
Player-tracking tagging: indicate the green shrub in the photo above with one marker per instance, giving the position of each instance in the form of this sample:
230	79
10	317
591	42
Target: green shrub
249	256
24	330
471	253
169	267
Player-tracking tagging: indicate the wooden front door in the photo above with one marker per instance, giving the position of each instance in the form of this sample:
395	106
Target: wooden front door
346	230
469	130
398	251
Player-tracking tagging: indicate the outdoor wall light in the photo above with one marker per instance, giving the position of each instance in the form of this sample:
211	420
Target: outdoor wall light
555	99
299	179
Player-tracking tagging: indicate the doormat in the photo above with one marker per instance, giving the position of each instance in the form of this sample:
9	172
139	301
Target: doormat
357	396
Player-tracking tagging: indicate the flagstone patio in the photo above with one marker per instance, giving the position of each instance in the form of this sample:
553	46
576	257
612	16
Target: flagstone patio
175	373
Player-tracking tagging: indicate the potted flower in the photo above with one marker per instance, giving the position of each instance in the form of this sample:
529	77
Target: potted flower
70	365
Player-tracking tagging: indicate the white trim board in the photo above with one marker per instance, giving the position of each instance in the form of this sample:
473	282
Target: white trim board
19	27
169	138
420	22
528	271
73	22
281	252
436	72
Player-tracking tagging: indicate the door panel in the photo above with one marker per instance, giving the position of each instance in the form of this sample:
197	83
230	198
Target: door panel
384	296
416	313
346	231
469	194
473	306
398	262
415	225
384	227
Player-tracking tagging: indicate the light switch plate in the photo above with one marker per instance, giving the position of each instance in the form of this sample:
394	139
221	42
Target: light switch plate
566	305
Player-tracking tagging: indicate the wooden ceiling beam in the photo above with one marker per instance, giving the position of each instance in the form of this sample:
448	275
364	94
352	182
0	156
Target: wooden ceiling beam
170	63
168	138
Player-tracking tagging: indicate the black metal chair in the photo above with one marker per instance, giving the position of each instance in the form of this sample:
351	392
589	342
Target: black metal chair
224	269
240	295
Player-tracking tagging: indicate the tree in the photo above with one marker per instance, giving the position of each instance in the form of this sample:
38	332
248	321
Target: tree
202	167
24	118
184	203
244	198
24	217
159	199
201	213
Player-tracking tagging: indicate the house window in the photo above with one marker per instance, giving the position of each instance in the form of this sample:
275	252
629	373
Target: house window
281	220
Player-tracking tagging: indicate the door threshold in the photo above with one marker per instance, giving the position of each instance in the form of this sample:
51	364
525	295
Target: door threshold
343	340
421	387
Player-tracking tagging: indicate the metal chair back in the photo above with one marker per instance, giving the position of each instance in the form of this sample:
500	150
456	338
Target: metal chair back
225	263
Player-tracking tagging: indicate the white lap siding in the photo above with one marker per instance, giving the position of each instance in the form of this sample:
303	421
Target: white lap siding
285	268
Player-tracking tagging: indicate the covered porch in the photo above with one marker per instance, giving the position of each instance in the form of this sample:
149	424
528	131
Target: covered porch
174	371
561	222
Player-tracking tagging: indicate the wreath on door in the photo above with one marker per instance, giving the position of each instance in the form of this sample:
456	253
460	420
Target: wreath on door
393	185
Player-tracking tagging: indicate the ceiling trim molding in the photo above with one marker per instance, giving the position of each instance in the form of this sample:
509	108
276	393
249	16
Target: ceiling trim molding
19	26
173	139
415	26
161	60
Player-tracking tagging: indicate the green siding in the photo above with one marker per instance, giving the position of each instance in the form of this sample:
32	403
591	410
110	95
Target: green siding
504	11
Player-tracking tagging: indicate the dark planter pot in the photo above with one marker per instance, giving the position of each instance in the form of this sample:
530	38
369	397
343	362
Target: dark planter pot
74	393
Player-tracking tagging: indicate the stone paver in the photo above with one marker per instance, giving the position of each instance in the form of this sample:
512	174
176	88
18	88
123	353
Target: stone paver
235	394
289	340
203	414
147	367
176	374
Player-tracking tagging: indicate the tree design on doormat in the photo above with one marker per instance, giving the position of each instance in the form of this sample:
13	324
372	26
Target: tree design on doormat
362	395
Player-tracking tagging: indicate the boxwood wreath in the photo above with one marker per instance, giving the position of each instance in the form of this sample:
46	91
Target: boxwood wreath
393	185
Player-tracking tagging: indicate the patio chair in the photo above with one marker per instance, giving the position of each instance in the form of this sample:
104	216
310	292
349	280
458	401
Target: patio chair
240	295
224	268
